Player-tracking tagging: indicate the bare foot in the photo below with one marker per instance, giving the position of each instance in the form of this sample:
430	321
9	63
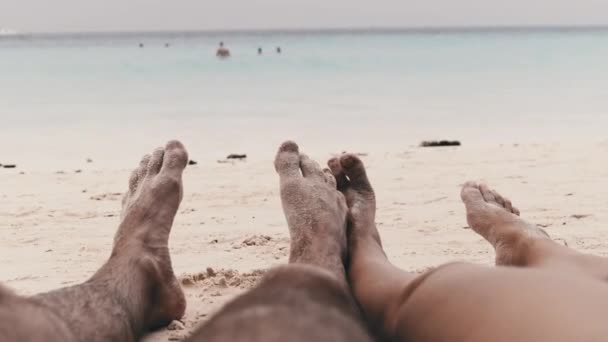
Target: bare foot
315	211
352	181
149	207
497	220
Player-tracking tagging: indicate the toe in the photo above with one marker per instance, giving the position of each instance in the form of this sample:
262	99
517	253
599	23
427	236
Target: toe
508	205
310	168
329	178
471	194
338	173
156	161
510	208
138	174
499	199
488	195
133	181
355	171
515	211
287	161
175	157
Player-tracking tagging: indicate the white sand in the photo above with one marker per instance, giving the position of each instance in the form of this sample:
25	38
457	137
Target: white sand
57	229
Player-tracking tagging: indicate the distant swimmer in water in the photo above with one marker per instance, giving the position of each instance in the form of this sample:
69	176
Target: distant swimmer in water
222	52
278	49
259	51
141	45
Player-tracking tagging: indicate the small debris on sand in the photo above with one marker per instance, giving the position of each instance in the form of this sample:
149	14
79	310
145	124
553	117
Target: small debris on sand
440	143
176	325
222	278
89	160
109	196
562	241
222	283
257	240
192	162
580	216
237	156
9	166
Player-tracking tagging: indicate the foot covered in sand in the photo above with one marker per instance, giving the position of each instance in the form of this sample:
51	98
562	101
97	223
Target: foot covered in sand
148	210
315	211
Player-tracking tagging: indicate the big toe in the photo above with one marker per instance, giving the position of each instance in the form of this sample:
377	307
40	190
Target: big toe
175	158
289	146
287	160
471	194
355	171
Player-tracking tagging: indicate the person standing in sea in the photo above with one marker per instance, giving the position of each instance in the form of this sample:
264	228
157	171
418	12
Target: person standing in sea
222	52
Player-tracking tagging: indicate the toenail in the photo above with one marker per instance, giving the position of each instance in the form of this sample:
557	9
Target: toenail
175	144
289	146
348	161
334	165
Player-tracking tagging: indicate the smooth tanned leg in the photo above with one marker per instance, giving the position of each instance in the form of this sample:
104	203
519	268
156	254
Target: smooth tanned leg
309	299
463	302
519	243
136	289
376	283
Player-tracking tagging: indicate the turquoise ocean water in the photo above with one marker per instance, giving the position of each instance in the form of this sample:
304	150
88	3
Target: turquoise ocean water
509	84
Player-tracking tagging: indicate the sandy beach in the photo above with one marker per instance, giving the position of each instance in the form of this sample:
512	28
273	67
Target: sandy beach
58	224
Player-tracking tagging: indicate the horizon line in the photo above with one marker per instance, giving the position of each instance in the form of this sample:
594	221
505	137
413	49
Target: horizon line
354	29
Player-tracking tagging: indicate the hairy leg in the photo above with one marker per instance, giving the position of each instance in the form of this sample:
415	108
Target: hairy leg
136	289
519	243
309	299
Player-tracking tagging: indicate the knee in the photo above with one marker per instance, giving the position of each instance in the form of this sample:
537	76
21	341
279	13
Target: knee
300	276
299	281
295	302
422	295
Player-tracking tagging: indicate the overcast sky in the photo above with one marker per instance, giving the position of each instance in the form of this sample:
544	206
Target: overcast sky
134	15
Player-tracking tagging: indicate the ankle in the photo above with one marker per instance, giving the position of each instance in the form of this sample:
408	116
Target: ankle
366	238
